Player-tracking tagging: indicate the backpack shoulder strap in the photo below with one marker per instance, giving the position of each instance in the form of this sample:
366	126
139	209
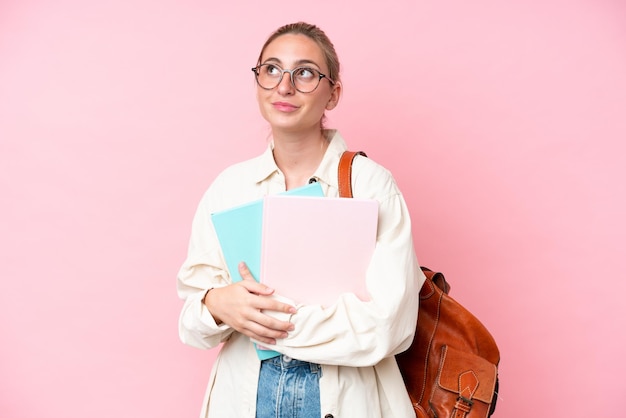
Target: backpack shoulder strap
345	172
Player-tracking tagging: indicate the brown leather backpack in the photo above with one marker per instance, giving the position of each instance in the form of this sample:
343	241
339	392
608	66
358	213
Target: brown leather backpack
451	368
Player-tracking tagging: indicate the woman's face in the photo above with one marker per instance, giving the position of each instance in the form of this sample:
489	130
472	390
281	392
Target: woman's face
285	108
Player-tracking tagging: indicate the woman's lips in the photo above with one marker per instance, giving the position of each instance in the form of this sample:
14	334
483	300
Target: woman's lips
284	107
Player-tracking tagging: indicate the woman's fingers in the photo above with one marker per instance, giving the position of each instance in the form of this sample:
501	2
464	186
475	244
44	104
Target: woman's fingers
242	305
258	328
250	283
253	286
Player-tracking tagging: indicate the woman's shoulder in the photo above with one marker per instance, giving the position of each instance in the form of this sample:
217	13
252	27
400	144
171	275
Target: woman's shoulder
372	179
240	170
237	182
369	165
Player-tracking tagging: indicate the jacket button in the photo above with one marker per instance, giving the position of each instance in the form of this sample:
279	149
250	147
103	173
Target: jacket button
329	416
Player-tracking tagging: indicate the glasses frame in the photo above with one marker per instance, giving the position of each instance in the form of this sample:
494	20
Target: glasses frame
256	70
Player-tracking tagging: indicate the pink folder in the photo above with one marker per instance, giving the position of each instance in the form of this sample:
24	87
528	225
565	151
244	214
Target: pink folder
316	248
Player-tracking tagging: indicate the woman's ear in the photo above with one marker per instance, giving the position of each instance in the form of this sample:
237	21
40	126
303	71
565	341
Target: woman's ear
335	94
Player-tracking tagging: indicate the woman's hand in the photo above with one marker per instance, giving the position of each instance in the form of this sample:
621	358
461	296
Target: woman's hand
240	306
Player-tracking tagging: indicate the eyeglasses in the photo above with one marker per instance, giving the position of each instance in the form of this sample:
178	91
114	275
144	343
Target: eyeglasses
303	79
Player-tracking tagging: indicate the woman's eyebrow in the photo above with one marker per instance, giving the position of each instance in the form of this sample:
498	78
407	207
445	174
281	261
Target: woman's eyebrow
307	62
298	63
272	59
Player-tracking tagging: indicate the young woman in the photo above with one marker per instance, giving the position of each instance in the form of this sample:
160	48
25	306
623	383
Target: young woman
336	361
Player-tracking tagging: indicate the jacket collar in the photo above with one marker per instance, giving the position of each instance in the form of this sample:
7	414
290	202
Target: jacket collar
325	172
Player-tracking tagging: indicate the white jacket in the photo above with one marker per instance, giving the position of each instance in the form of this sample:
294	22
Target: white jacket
354	341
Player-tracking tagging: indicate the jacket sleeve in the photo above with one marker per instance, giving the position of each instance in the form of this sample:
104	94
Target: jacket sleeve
202	270
356	333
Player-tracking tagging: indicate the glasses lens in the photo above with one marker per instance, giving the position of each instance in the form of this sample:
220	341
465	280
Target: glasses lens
306	79
269	76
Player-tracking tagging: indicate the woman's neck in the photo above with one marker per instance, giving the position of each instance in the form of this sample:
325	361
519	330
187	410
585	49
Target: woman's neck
299	155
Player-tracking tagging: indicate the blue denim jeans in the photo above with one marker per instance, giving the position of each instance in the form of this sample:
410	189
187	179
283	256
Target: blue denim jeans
288	388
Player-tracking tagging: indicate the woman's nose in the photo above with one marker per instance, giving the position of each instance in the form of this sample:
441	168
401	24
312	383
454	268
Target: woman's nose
285	87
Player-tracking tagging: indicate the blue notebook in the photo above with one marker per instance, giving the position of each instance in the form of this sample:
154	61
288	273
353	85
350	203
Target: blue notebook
239	231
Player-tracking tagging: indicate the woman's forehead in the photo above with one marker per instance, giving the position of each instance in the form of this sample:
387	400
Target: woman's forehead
294	49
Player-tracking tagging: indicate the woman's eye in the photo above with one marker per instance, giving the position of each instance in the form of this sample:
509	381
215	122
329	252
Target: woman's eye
305	73
272	69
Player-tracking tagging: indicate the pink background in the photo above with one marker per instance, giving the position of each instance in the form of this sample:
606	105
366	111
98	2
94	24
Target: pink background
503	122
